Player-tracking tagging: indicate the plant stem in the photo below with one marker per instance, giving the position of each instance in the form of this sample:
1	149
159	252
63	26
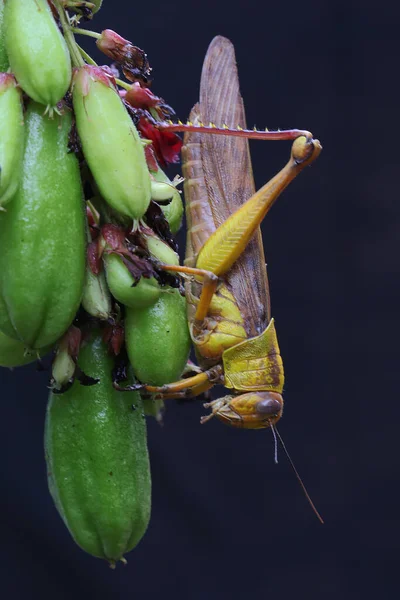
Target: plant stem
86	56
76	58
123	84
87	32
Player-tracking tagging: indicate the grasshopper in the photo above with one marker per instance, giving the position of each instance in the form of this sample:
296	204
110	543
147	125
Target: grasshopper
226	280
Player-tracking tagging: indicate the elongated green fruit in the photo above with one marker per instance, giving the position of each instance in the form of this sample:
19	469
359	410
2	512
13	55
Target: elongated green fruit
96	299
4	64
157	339
42	237
11	137
97	460
160	250
63	369
173	209
110	142
121	282
37	51
14	353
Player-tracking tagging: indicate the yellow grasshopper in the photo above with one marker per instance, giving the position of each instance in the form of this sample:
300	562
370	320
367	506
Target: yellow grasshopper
227	288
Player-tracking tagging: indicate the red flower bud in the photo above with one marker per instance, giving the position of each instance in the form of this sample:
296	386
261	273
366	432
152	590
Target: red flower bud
133	60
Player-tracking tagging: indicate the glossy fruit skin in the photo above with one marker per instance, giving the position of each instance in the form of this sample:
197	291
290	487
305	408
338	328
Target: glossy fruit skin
4	64
37	51
11	137
14	354
157	339
147	291
110	143
120	283
42	237
97	459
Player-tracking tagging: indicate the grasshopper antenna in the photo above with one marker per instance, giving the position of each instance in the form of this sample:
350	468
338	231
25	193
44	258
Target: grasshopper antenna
274	432
311	503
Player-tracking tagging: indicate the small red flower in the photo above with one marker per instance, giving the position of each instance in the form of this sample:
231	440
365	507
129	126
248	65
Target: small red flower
167	145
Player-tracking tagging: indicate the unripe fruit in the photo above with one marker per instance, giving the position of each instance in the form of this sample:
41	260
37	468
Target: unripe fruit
14	353
147	291
158	340
110	142
121	284
37	51
42	237
4	64
96	299
11	137
164	189
97	459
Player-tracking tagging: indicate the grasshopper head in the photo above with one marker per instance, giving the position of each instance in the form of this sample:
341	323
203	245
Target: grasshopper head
253	410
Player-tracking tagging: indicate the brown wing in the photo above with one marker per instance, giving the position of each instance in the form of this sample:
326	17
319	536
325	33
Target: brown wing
228	177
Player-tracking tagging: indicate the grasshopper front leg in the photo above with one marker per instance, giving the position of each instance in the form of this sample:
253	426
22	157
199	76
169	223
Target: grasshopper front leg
186	388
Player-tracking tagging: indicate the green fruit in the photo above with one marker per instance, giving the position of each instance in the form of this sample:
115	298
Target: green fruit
37	51
63	369
161	250
97	460
163	189
96	299
147	291
157	339
110	142
4	64
120	282
97	4
14	353
42	237
11	137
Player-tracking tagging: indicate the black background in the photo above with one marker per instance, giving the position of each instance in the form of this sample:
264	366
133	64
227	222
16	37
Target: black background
226	521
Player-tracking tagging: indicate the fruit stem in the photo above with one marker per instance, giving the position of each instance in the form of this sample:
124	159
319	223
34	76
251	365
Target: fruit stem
86	56
123	84
76	58
87	32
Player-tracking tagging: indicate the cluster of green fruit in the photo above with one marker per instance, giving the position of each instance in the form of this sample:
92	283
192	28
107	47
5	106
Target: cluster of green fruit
83	249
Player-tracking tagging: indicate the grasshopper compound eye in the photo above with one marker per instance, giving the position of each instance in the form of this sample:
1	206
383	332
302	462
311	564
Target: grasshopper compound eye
270	404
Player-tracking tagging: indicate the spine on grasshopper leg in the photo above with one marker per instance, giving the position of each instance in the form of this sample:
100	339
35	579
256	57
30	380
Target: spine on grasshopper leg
42	237
111	144
97	459
11	137
37	51
4	64
157	339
